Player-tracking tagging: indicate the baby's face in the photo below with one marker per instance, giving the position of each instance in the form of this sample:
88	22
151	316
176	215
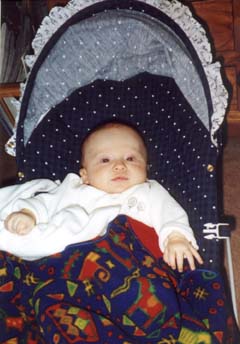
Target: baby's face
114	159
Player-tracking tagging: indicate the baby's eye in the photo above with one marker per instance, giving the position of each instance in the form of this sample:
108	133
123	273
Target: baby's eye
105	160
130	158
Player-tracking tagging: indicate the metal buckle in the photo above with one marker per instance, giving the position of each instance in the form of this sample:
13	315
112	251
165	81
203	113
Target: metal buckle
213	231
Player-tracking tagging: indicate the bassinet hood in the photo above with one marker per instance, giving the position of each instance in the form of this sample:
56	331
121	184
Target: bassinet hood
117	39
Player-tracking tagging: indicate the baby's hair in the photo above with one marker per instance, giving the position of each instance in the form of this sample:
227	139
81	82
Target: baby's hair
110	124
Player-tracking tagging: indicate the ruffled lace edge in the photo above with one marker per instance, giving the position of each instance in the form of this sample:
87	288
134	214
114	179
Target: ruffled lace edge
177	11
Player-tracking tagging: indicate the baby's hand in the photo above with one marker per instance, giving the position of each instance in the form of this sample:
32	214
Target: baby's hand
178	248
20	222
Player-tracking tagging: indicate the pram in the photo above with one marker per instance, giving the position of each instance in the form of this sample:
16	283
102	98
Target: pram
148	63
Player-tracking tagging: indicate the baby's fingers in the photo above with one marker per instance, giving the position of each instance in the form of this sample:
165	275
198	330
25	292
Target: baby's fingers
18	223
9	223
180	258
191	256
20	227
166	256
196	255
173	259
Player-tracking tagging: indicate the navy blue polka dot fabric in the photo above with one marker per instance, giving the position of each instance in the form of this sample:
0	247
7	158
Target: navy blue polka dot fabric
181	155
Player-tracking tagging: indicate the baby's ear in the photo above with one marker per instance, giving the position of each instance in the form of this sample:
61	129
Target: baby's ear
83	175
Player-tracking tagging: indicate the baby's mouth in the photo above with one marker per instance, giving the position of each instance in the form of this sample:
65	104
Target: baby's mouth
119	178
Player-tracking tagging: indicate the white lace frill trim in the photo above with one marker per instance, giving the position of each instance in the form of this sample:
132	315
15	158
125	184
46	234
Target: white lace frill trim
10	146
180	13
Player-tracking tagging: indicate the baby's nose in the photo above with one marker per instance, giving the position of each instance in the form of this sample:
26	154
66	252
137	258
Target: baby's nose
119	165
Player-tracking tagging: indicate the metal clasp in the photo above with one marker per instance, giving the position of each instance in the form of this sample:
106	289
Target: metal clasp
214	231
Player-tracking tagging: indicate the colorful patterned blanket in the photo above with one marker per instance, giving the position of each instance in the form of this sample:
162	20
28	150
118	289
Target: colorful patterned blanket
111	290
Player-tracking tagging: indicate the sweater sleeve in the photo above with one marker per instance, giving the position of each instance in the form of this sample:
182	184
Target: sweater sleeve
44	204
10	195
167	215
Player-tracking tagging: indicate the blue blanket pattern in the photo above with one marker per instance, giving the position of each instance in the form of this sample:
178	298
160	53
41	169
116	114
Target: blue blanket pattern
110	290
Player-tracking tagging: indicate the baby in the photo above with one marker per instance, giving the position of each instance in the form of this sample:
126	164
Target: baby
113	181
